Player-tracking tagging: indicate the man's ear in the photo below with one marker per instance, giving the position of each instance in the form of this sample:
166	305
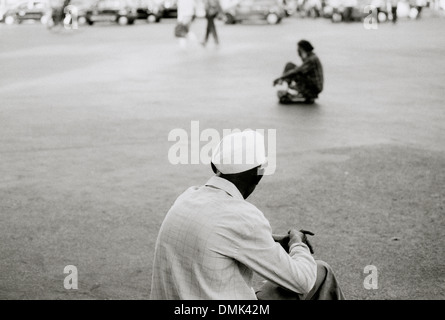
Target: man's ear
215	171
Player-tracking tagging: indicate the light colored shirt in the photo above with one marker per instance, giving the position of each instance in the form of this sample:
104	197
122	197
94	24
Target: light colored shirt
186	10
212	240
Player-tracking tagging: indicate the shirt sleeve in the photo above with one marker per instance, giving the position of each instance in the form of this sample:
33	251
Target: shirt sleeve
296	271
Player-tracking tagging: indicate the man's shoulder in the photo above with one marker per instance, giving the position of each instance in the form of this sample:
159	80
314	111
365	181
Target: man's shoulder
219	200
217	209
314	60
247	212
313	57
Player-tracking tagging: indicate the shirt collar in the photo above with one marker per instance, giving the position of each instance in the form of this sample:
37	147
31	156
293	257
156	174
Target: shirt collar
309	55
225	185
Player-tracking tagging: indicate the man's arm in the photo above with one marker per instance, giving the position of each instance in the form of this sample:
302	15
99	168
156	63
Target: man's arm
306	66
285	75
296	271
283	240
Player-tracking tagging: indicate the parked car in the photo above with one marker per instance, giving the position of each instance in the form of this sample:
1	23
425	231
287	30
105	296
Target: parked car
26	11
119	11
344	10
149	10
269	10
169	8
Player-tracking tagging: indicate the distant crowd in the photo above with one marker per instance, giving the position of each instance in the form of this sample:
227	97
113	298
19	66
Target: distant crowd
353	10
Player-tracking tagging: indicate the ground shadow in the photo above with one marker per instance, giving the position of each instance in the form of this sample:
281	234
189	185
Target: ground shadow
302	105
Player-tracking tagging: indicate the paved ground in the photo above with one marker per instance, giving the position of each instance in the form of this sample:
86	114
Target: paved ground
84	174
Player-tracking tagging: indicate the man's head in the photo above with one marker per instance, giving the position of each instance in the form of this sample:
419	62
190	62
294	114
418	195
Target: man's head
246	181
239	158
304	47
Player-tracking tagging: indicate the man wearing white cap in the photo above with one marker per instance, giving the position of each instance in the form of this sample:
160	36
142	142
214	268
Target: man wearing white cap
212	240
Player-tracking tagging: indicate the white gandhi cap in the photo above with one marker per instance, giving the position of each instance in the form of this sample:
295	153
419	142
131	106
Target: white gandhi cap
239	152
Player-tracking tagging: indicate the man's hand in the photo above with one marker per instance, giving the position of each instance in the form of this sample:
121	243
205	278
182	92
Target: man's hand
294	236
283	240
305	240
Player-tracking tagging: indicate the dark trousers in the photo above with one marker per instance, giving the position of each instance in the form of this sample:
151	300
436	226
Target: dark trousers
394	14
325	288
419	10
302	84
347	14
211	29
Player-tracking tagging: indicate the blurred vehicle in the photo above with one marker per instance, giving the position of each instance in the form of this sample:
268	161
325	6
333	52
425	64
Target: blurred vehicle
169	8
27	11
119	11
66	16
347	10
269	10
149	10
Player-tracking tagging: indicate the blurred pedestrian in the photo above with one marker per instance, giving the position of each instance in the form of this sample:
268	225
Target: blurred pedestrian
393	4
313	8
380	7
349	6
306	79
64	10
186	15
419	6
212	9
60	14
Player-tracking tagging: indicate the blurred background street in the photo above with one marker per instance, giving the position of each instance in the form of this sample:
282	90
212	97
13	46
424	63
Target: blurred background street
84	121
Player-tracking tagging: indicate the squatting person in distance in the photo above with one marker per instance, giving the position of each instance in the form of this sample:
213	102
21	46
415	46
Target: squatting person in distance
305	82
212	240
